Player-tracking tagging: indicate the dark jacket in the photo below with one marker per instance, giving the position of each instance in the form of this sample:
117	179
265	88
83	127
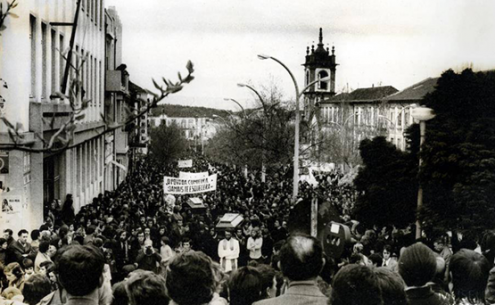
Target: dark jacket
426	296
148	262
18	252
299	292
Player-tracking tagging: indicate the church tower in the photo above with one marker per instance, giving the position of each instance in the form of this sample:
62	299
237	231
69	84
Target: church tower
319	64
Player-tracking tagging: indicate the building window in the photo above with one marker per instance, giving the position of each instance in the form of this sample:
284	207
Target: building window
102	14
100	88
27	162
32	37
54	59
44	59
323	85
307	78
407	115
61	59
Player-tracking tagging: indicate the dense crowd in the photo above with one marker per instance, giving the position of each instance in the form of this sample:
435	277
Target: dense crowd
137	246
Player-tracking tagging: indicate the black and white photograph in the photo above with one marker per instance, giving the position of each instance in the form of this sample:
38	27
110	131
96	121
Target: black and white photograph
231	152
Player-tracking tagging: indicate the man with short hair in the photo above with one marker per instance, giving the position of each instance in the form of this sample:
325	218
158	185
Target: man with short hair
191	279
42	256
442	249
8	235
90	234
301	261
80	275
147	288
20	249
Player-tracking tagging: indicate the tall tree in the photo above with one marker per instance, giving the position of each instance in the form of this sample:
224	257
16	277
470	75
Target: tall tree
458	172
263	134
167	143
386	185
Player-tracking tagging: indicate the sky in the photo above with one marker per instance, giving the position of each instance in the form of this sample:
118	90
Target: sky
380	42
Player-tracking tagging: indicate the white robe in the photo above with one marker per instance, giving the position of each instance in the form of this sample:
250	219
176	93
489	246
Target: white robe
228	251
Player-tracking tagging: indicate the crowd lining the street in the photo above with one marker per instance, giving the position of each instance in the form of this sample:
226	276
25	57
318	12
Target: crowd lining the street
133	247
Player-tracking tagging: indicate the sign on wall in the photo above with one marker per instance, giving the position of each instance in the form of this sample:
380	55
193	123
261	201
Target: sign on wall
11	204
172	185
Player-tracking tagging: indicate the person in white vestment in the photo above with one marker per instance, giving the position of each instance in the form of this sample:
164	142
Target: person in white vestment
228	252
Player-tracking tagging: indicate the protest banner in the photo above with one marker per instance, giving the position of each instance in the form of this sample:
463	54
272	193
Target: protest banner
186	175
185	163
172	185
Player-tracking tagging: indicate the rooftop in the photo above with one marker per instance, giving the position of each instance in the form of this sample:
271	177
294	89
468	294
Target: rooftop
364	94
414	92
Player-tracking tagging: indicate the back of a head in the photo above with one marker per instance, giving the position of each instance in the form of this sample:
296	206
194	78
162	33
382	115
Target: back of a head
355	285
267	274
470	272
120	296
376	259
190	279
91	229
392	286
36	287
147	288
245	286
80	269
417	265
301	257
35	234
44	245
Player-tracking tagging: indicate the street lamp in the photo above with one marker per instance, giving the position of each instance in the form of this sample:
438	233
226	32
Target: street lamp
295	186
263	168
238	104
422	114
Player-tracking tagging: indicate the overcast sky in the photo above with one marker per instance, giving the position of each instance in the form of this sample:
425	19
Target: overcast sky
389	42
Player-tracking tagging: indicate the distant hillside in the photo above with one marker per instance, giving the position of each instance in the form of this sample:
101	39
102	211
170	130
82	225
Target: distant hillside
187	111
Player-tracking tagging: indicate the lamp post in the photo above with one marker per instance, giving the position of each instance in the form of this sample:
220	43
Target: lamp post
295	186
203	132
238	104
422	114
263	168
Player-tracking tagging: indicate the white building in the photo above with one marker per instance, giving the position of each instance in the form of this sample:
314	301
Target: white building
33	66
192	127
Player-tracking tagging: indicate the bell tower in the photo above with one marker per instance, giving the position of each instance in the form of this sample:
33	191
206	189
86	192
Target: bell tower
320	64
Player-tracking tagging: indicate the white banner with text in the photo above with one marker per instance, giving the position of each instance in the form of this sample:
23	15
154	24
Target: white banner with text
179	186
185	163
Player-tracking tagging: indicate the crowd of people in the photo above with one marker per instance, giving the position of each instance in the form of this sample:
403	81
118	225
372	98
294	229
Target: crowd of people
137	246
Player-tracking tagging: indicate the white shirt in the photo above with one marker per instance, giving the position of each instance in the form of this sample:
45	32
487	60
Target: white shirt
228	252
254	247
